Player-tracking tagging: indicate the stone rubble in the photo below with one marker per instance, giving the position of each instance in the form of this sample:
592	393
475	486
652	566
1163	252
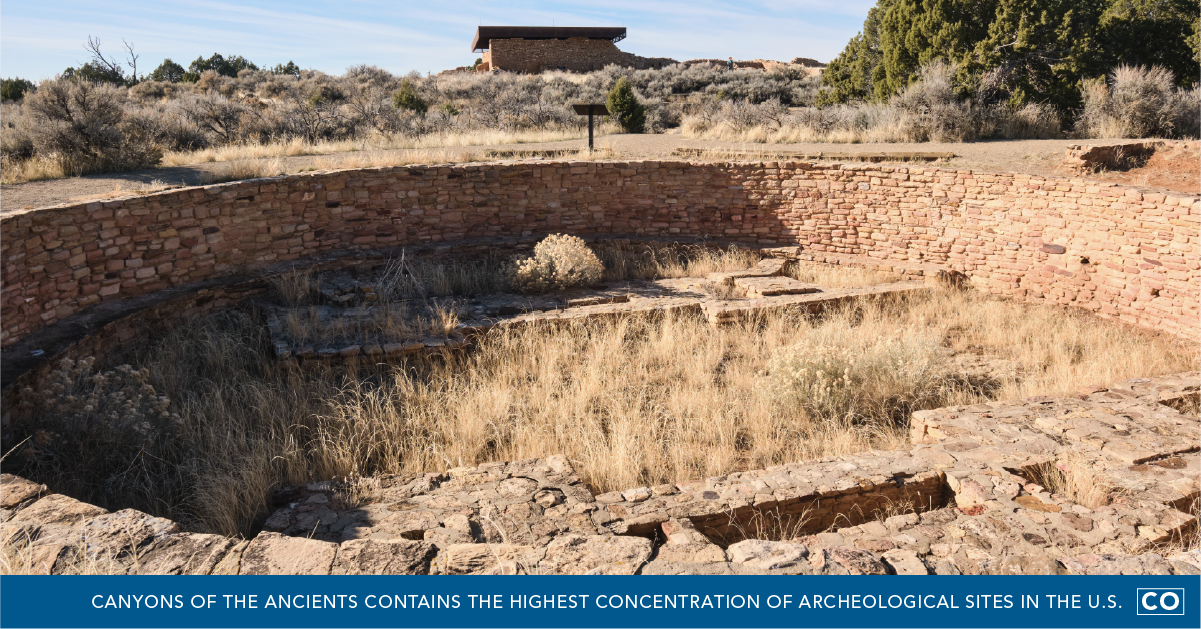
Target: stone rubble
964	500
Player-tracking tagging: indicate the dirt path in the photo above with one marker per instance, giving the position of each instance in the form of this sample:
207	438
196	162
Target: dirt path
1176	168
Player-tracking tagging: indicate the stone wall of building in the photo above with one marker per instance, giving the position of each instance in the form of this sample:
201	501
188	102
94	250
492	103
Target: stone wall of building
577	54
1118	251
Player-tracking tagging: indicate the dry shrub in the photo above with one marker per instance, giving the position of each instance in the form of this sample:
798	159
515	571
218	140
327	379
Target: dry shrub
105	436
842	378
1139	102
931	111
1074	479
85	128
559	262
928	110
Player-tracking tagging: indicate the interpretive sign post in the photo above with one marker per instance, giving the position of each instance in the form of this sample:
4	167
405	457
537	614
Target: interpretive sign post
591	109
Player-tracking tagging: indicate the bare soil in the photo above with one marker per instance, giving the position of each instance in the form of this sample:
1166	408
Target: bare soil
1176	167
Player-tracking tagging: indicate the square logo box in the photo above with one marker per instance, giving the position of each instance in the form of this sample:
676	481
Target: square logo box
1160	602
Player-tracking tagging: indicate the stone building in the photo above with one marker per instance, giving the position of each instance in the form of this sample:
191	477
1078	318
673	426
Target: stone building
534	49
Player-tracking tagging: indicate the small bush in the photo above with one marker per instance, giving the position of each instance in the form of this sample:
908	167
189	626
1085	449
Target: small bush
932	111
83	126
406	98
15	142
113	424
846	379
1138	102
622	103
559	262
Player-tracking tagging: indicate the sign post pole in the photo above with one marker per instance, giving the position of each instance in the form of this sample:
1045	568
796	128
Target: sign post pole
590	110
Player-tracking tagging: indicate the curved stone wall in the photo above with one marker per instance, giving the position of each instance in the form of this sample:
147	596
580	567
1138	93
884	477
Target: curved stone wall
1116	250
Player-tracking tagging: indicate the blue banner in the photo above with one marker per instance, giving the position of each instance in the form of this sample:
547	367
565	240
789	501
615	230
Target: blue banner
598	601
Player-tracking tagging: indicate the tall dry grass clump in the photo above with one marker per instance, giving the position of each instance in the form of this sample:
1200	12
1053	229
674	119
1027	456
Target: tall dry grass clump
1139	102
1073	478
631	402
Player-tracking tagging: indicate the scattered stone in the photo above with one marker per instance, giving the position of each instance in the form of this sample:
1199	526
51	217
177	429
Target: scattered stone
365	556
856	561
479	558
272	553
904	562
185	553
766	555
596	554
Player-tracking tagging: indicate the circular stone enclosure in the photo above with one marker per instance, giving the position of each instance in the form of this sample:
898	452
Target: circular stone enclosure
83	279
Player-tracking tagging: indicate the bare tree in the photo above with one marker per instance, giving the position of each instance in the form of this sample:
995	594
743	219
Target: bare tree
104	63
133	58
111	65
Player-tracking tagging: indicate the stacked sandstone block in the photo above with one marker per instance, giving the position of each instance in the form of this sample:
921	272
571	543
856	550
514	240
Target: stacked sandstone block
576	54
1118	251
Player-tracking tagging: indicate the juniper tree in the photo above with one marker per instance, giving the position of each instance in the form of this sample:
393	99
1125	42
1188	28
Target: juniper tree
622	103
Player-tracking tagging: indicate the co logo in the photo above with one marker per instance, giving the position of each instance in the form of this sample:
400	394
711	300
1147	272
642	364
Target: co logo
1160	601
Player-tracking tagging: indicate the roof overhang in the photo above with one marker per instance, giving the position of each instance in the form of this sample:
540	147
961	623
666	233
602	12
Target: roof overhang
484	34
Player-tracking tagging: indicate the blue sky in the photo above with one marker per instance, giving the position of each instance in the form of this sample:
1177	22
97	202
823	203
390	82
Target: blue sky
38	39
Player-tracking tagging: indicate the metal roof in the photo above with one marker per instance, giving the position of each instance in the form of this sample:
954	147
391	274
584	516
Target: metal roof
484	34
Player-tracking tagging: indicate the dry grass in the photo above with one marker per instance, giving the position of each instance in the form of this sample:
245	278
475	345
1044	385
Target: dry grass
1074	479
19	556
119	191
641	261
239	170
382	325
835	276
249	161
298	146
385	159
35	169
631	402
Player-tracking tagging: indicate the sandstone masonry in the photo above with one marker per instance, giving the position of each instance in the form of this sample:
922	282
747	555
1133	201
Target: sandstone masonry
1115	250
576	54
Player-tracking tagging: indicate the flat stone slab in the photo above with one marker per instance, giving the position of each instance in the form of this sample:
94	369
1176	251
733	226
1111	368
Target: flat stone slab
772	286
766	267
15	491
186	553
272	553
